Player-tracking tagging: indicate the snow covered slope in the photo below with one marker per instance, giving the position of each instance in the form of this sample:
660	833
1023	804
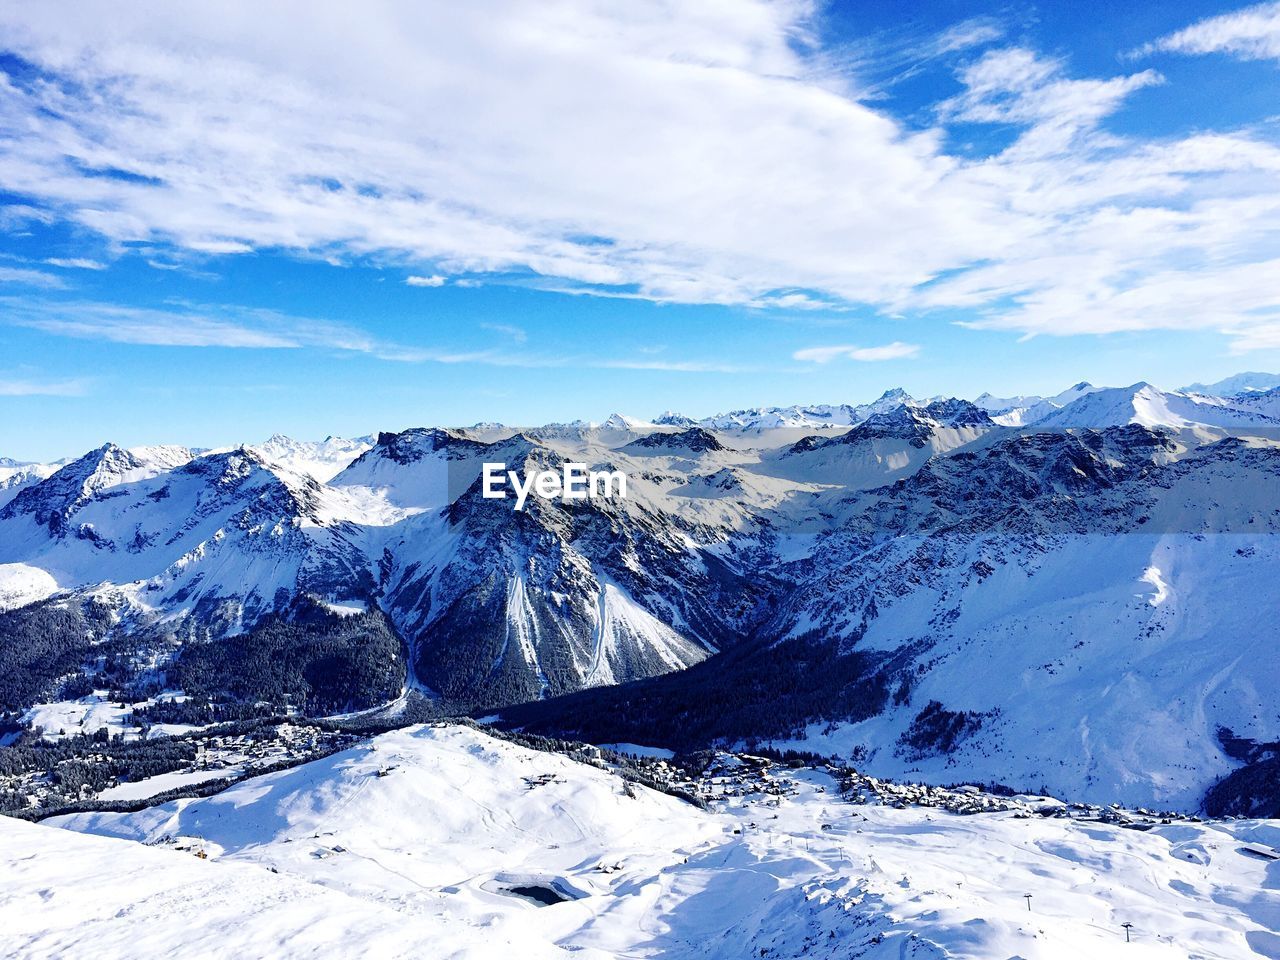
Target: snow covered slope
420	843
1084	573
1038	609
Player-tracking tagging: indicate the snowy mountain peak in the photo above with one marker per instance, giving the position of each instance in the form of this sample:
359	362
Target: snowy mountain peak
1234	385
1023	410
320	460
620	421
693	440
670	418
917	423
803	417
52	501
409	446
1147	405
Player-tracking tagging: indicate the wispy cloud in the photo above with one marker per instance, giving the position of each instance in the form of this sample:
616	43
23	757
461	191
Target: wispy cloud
889	351
76	263
432	281
670	366
741	170
1018	86
968	34
507	330
233	329
43	388
869	67
15	216
1252	33
30	278
240	328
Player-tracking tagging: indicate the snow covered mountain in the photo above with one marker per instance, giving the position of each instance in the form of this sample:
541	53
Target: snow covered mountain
16	476
1235	385
1092	570
921	584
321	460
1146	405
502	607
55	501
1265	402
817	416
222	538
1017	411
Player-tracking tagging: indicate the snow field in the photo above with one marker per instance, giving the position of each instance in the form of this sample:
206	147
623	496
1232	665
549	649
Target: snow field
402	847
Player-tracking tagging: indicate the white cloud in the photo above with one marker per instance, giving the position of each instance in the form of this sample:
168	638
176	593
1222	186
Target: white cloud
75	263
889	351
683	136
968	34
664	151
29	278
508	330
418	281
1017	86
238	328
16	216
1252	33
214	327
42	388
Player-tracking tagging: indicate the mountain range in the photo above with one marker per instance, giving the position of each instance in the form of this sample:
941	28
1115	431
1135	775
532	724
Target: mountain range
1063	594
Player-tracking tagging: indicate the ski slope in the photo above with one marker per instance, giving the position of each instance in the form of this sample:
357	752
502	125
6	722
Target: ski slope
409	846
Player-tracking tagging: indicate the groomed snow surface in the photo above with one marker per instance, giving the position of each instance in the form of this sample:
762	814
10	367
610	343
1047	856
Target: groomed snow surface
411	845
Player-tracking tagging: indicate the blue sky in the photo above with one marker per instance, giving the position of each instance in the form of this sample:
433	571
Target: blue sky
224	223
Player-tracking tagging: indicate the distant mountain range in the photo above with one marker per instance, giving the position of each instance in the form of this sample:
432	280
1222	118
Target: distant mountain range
1235	386
1067	592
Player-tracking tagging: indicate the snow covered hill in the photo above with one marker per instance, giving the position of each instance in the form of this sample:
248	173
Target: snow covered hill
1042	610
444	842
